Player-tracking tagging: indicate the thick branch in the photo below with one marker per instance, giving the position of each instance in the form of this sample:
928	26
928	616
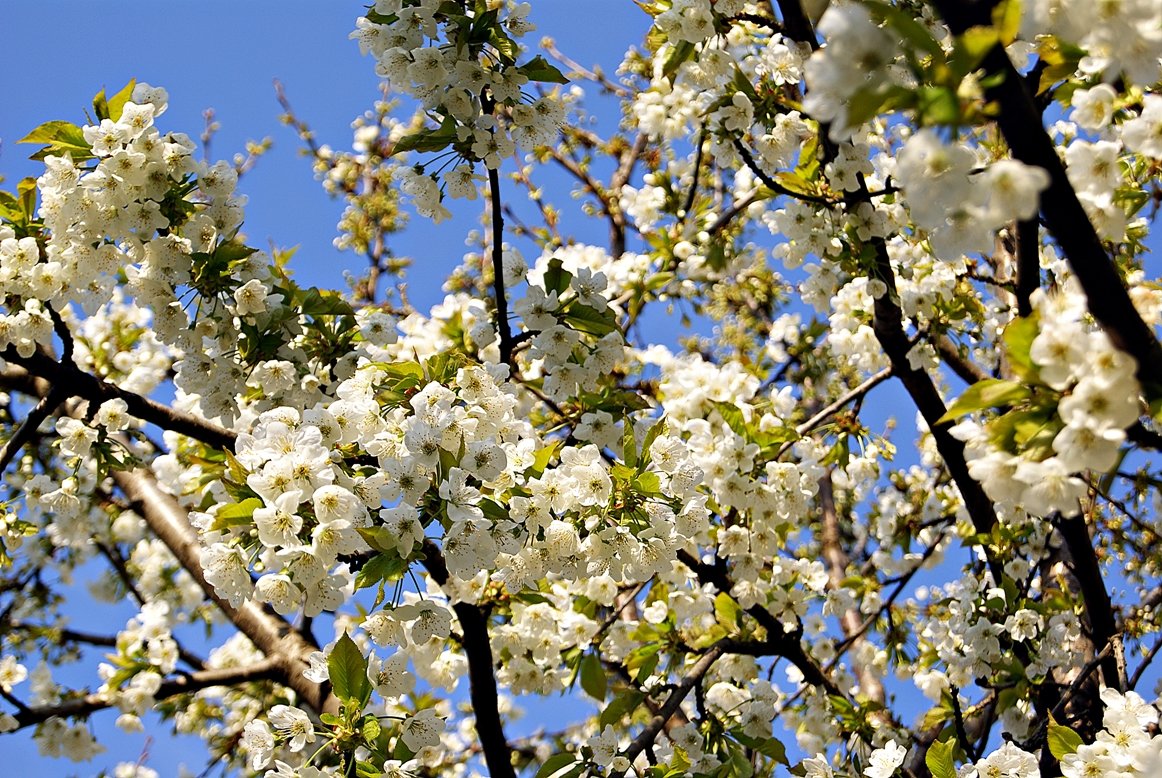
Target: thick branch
1028	264
272	634
889	330
503	327
965	369
1094	594
1020	122
74	382
482	681
267	669
796	24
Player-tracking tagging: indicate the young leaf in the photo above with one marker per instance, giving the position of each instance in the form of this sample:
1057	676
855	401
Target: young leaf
989	393
593	679
590	320
1062	740
556	763
939	759
726	611
348	671
622	704
538	69
116	103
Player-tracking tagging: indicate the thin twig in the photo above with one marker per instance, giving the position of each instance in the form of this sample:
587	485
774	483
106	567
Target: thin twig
771	183
833	407
27	429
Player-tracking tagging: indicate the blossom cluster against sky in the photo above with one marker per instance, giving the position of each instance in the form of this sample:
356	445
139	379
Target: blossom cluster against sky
225	56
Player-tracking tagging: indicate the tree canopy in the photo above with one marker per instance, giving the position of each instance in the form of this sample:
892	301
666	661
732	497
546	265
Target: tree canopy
836	457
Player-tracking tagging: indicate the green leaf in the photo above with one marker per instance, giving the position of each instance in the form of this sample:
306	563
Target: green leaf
1062	740
545	455
652	434
371	729
556	278
795	184
733	418
113	107
971	48
1061	58
1007	20
939	759
348	671
938	105
324	302
647	483
555	764
593	679
871	101
739	764
767	746
590	320
643	660
628	443
905	25
232	251
26	190
727	612
808	166
236	515
428	140
386	566
989	393
377	18
1018	344
237	470
680	53
539	69
62	138
622	705
54	132
504	45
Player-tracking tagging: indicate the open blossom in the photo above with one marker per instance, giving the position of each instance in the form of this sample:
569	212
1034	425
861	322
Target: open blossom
294	725
883	761
11	673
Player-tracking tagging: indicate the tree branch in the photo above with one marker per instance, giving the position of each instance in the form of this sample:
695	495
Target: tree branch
503	327
1094	595
27	429
75	382
786	644
771	183
645	738
272	634
269	669
1028	264
836	405
482	681
1020	123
